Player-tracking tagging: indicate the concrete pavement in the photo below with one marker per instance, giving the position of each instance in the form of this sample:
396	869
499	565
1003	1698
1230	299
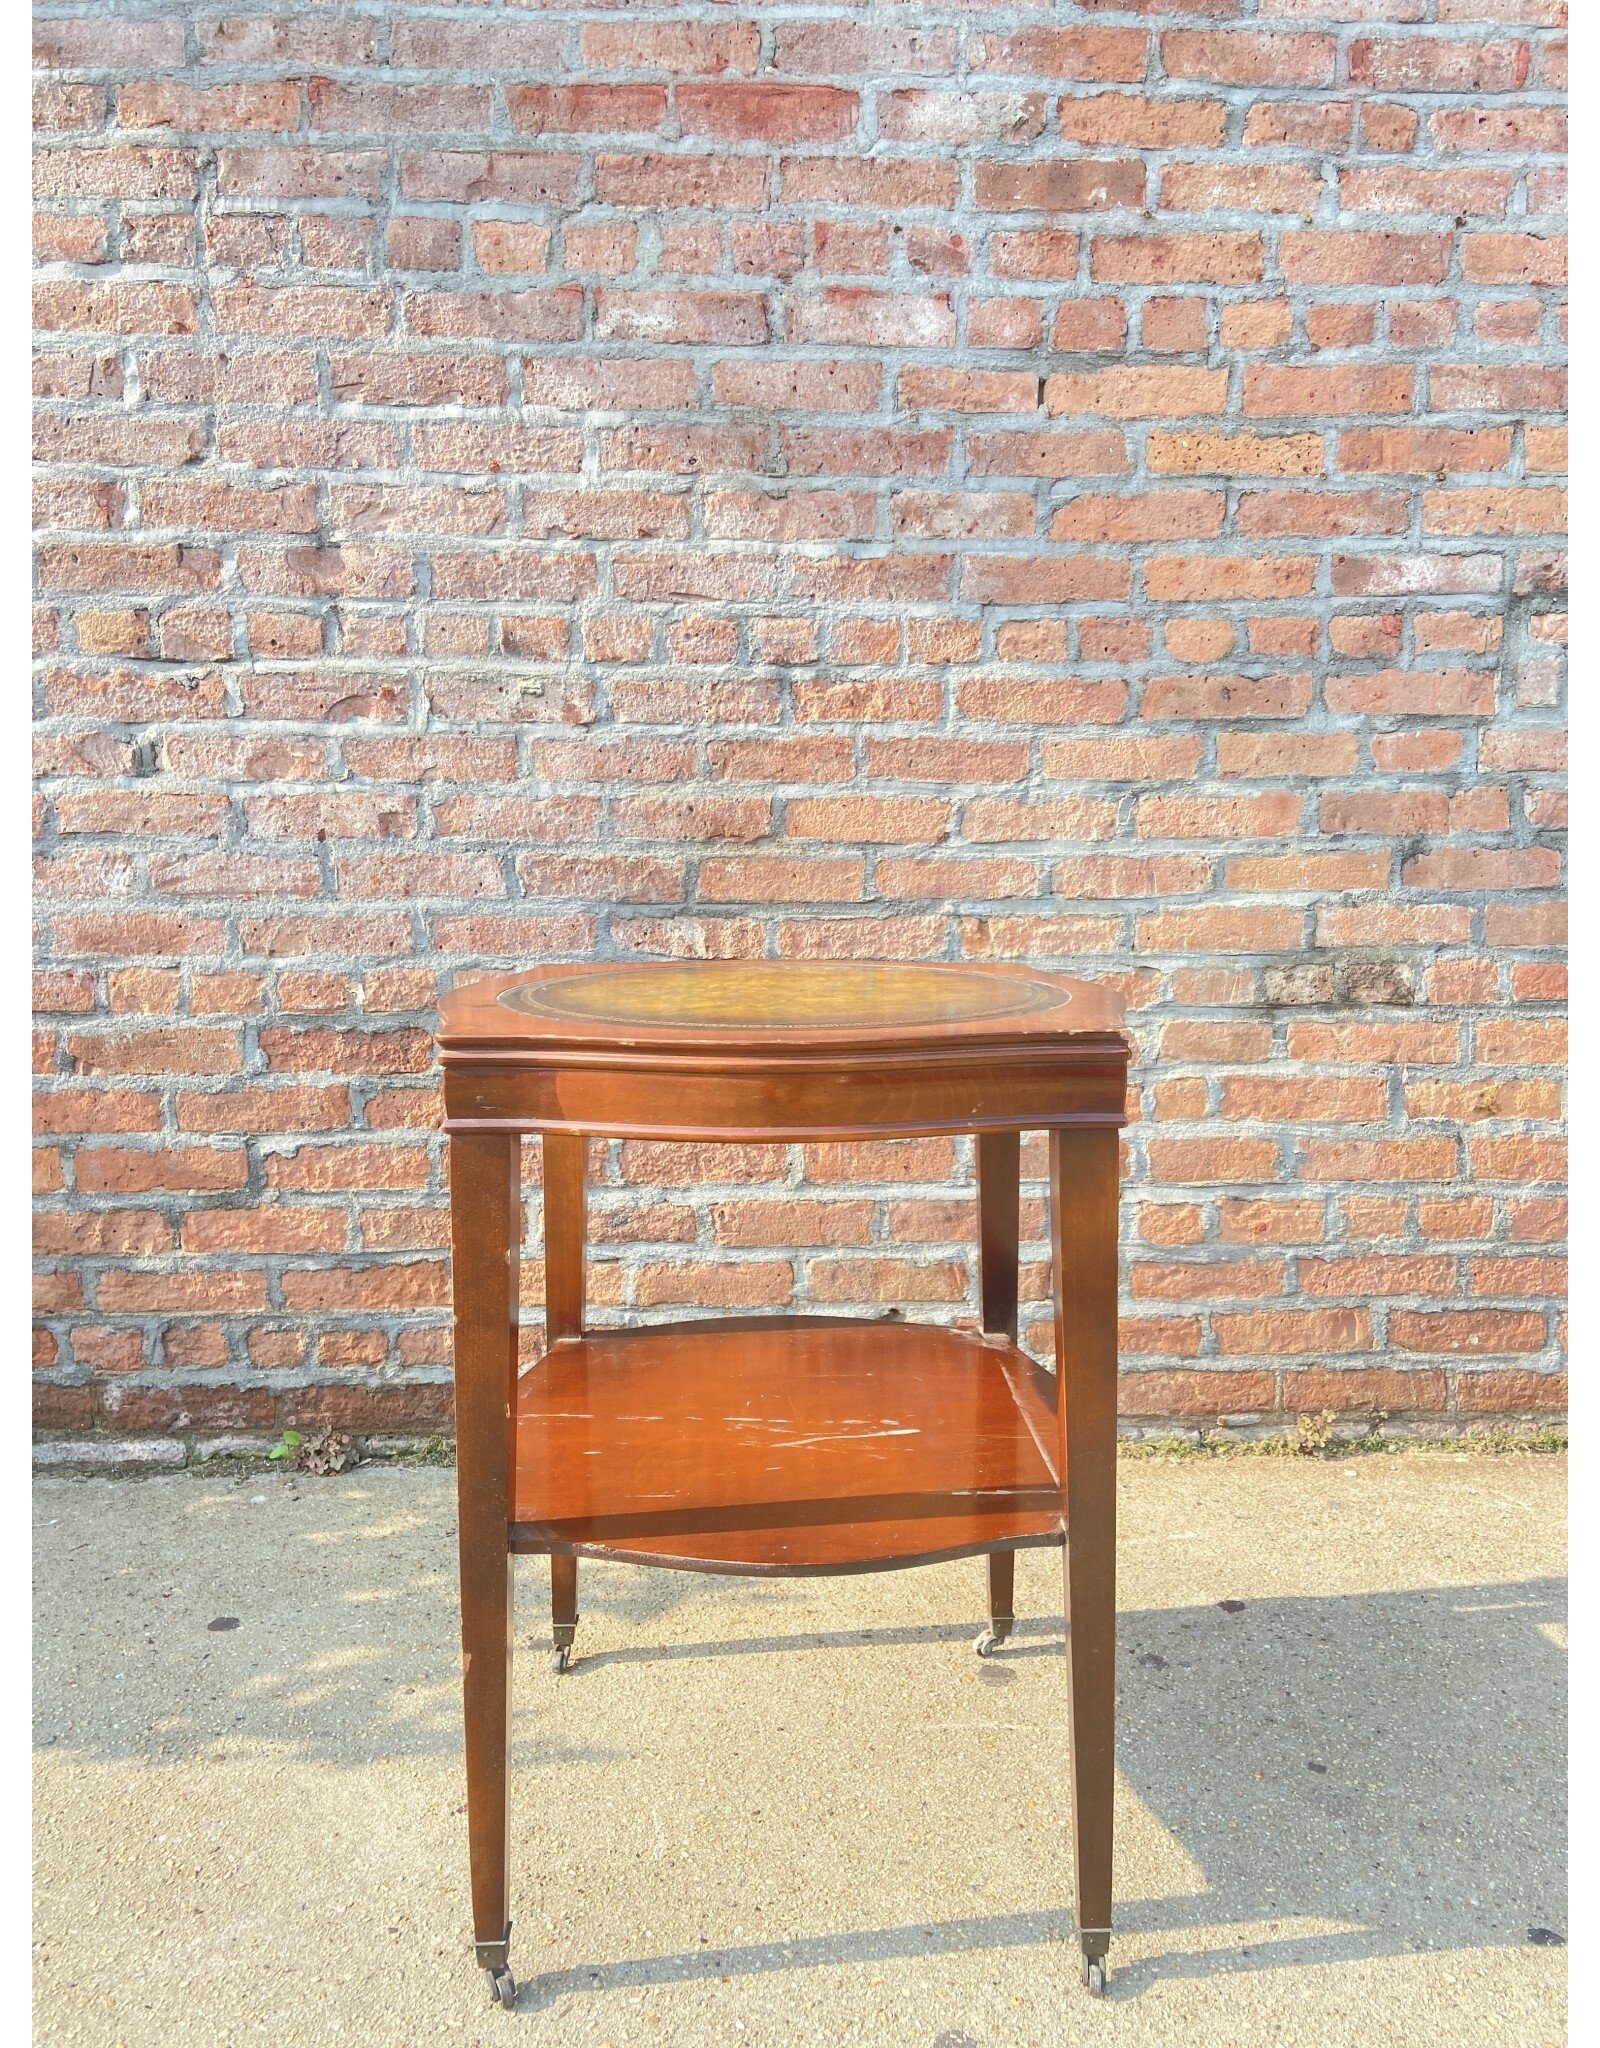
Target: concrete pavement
804	1812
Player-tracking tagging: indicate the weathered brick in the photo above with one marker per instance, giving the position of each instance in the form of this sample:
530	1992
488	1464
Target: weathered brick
1314	1390
1184	452
518	177
1248	57
1190	1395
869	181
81	42
1136	122
1270	390
1211	258
1082	490
1188	577
1464	1331
961	117
1438	64
1091	53
1226	187
835	48
1510	1393
1351	256
224	109
1137	391
1159	515
683	48
1293	1333
1504	130
768	111
1067	185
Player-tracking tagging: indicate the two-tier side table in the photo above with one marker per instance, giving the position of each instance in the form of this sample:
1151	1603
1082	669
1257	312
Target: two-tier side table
783	1444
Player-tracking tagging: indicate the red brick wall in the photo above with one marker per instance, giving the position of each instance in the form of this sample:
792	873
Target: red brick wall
1070	482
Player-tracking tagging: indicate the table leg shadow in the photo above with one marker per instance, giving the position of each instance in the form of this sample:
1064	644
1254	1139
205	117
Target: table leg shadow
1391	1762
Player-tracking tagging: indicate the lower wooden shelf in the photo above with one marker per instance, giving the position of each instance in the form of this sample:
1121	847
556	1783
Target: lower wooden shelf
785	1444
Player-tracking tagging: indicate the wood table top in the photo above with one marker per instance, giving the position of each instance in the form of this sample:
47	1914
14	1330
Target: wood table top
774	1005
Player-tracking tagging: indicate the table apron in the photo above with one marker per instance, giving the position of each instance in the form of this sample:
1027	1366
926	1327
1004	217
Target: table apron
733	1100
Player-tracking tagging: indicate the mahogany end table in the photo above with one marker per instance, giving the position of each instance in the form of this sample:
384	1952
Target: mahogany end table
783	1444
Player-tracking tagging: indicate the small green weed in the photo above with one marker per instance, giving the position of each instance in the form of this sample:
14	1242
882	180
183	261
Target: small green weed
1314	1433
321	1452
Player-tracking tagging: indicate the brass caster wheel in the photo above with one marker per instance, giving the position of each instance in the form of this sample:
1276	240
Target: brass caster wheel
1094	1976
502	1988
561	1659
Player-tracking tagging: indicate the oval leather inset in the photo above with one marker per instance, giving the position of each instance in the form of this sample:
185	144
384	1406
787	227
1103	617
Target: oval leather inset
779	994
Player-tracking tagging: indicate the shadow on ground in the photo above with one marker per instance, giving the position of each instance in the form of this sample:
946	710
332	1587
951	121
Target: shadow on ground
1228	1722
1407	1741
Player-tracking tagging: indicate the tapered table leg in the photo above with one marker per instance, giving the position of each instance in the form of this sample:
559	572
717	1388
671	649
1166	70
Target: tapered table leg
999	1228
1002	1600
564	1163
563	1610
1083	1216
485	1242
565	1193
